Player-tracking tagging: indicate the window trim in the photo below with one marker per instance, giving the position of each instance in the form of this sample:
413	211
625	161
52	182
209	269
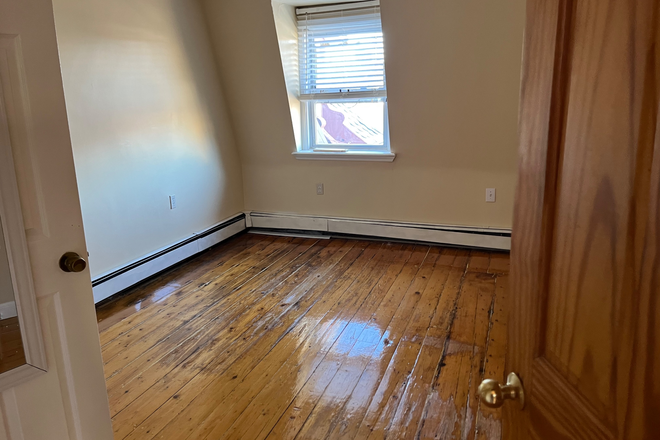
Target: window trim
350	155
308	148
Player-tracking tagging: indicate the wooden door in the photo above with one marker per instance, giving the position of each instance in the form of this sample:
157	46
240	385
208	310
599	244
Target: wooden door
585	314
69	400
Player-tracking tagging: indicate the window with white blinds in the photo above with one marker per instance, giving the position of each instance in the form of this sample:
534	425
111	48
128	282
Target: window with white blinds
341	51
342	79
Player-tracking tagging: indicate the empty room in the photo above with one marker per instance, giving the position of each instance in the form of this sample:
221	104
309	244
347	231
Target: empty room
329	219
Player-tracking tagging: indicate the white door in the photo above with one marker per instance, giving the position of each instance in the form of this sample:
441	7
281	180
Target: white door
69	401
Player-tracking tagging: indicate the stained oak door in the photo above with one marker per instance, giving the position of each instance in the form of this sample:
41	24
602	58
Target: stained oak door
585	314
68	401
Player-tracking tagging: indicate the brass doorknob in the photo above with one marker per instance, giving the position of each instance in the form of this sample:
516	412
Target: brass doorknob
72	262
493	394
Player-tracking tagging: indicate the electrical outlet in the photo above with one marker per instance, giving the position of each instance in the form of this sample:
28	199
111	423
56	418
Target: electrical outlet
172	201
319	189
490	195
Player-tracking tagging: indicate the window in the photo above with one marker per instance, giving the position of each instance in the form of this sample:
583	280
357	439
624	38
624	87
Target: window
342	78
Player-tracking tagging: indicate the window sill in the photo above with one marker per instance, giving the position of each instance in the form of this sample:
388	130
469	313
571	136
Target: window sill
370	156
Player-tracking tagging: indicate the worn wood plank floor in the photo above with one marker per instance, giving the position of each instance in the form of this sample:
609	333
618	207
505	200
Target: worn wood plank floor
278	338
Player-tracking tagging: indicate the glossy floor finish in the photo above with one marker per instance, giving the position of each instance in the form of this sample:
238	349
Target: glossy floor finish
278	338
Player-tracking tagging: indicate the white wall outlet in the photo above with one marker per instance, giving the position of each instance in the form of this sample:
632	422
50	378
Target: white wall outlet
172	201
490	195
319	189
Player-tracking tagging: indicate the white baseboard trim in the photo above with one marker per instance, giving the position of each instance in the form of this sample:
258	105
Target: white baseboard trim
486	238
136	271
8	310
139	270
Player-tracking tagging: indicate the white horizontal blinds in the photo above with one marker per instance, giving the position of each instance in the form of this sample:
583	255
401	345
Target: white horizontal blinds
341	52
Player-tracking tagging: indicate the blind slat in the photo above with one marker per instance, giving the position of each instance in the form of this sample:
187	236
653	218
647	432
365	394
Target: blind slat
356	61
376	53
343	48
341	54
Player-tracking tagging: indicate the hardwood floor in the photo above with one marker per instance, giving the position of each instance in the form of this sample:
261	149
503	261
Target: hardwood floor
12	354
278	338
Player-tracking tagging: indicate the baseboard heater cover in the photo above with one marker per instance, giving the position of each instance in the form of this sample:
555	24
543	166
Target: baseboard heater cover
137	271
484	238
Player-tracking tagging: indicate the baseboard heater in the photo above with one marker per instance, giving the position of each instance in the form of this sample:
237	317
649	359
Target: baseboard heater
462	236
146	267
119	280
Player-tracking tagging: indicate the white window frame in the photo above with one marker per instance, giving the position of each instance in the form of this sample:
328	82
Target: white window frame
311	150
309	128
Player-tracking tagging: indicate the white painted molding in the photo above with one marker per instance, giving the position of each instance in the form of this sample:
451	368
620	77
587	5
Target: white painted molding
363	156
138	270
12	231
11	416
13	85
56	320
474	237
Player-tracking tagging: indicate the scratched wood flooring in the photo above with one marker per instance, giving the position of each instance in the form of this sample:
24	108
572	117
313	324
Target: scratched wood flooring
278	338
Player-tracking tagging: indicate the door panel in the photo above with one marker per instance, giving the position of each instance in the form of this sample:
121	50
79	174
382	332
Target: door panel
584	298
68	401
590	286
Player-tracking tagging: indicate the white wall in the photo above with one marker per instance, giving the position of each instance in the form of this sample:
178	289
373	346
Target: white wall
148	119
453	75
286	25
